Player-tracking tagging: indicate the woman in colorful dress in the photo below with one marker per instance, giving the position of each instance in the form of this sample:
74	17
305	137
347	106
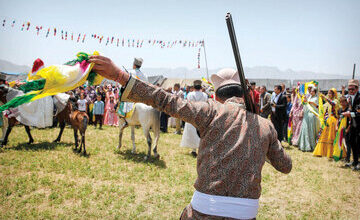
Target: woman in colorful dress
108	93
110	116
296	115
325	143
310	123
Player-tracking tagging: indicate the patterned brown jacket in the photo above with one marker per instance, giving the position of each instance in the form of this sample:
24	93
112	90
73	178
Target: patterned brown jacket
234	143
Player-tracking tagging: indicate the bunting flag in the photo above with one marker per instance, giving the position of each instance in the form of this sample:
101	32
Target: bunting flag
56	79
339	142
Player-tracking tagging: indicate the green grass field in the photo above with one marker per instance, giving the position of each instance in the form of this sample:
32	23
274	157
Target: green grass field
47	180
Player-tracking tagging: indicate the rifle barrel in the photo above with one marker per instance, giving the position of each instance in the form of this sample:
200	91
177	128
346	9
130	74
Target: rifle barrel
239	66
354	71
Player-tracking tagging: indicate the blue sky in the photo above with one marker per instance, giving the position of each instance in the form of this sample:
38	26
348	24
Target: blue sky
320	36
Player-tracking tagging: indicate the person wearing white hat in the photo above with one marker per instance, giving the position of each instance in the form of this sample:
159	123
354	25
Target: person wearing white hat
136	69
126	107
234	143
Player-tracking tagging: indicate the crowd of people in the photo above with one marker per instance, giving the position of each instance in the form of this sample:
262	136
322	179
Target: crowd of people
284	107
313	121
98	102
309	119
295	117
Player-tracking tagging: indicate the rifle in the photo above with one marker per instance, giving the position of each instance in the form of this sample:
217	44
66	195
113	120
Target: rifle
354	71
248	102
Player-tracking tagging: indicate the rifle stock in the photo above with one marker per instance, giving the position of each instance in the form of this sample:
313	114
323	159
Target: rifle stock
248	102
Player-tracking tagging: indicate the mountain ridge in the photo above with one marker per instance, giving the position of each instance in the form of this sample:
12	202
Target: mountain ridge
257	72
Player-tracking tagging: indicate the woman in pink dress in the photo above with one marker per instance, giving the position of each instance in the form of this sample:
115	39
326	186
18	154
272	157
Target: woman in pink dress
296	114
110	115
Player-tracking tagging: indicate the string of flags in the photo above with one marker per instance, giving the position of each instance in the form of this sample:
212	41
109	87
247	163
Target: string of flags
100	38
116	41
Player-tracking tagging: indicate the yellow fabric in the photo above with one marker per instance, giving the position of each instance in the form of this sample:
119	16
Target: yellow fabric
12	84
130	113
325	147
62	78
32	77
321	112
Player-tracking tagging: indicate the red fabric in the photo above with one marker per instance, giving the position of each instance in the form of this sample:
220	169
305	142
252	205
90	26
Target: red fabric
37	64
257	97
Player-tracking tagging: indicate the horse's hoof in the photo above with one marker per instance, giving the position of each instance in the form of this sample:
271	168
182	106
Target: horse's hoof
133	152
56	141
157	156
146	158
30	142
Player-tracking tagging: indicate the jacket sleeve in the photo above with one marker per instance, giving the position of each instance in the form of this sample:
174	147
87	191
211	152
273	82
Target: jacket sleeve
199	114
277	155
267	100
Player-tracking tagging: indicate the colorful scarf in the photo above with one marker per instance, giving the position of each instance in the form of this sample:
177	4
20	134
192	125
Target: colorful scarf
290	130
339	142
56	79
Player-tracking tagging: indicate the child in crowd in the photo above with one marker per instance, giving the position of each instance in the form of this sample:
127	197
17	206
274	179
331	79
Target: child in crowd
82	103
288	105
98	110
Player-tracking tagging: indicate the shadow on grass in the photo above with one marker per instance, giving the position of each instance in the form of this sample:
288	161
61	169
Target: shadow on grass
81	154
139	158
39	146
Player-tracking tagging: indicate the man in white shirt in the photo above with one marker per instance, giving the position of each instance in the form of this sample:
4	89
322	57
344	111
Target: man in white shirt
190	137
136	72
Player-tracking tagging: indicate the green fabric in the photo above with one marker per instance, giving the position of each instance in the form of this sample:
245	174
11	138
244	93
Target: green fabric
15	102
33	85
91	78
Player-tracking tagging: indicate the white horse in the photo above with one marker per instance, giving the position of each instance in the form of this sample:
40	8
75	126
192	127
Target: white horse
149	119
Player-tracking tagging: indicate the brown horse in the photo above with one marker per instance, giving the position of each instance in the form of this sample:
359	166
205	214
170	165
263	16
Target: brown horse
77	120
